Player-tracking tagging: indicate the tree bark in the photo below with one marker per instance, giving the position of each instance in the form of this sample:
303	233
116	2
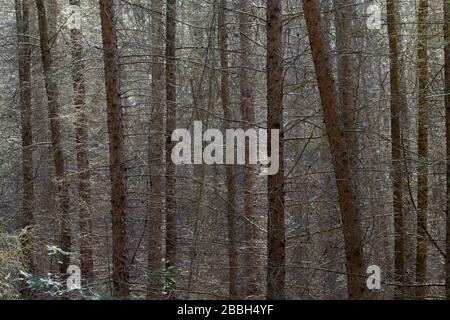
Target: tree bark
62	183
276	238
82	149
422	176
253	263
230	174
118	168
171	122
22	8
447	121
336	137
156	148
397	175
346	92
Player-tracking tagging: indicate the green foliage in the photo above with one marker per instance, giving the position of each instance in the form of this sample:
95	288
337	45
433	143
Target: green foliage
49	284
98	296
168	275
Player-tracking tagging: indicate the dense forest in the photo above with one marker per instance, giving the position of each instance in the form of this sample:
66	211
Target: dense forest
224	149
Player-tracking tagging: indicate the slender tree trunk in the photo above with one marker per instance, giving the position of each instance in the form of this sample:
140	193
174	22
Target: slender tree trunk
350	216
422	189
230	175
171	122
344	14
397	176
346	92
116	150
82	149
22	8
51	87
199	172
253	263
447	118
156	148
276	239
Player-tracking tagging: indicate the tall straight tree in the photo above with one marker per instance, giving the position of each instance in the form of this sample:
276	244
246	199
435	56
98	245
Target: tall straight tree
230	175
447	122
82	149
397	176
156	151
336	137
22	8
422	176
276	238
252	265
51	86
118	169
345	73
171	123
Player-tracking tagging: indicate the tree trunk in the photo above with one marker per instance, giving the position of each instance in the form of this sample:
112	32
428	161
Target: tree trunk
447	121
253	263
346	92
22	8
336	137
156	148
51	87
276	239
230	175
171	123
422	176
397	175
116	150
82	149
